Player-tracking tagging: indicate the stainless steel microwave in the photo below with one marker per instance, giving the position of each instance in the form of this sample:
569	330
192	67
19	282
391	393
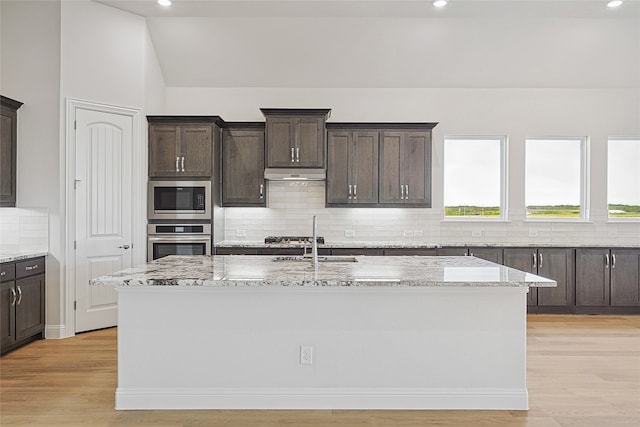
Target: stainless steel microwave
179	200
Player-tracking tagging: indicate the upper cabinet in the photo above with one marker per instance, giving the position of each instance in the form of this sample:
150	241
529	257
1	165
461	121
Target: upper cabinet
243	181
405	167
181	146
295	137
352	169
8	149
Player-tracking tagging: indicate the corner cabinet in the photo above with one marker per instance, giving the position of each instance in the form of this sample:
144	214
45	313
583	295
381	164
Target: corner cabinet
243	181
295	138
181	146
8	149
352	167
405	168
22	293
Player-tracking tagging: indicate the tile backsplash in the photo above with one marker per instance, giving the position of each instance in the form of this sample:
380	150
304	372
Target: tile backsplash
291	206
24	230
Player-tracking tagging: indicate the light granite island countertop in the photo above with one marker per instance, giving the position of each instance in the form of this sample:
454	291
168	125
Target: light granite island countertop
247	332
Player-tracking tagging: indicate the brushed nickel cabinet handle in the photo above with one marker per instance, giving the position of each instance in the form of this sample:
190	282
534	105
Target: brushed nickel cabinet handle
19	296
3	273
541	261
613	260
13	300
262	191
535	260
293	154
182	163
177	163
355	191
298	154
606	260
349	191
31	267
406	192
401	192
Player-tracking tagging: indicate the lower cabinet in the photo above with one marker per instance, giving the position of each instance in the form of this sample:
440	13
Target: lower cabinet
485	252
22	292
553	263
608	280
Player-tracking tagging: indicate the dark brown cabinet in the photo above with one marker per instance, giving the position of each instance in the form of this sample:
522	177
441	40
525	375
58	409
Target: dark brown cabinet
607	278
295	138
243	181
22	291
181	146
405	168
8	149
488	253
352	167
553	263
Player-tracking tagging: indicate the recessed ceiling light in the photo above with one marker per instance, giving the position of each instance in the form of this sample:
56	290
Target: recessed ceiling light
164	2
440	3
614	3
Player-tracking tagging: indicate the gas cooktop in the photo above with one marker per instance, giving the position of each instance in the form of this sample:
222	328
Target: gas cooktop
286	240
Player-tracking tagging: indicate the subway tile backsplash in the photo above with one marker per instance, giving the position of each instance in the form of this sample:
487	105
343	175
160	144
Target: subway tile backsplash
24	230
291	206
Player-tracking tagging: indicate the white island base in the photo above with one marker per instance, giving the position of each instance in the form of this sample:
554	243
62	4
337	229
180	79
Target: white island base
386	347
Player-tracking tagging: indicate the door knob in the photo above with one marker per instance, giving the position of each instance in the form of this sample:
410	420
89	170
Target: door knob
124	247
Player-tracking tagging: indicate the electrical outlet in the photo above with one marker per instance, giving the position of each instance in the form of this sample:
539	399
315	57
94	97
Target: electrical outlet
306	355
476	233
349	233
408	234
418	233
241	233
533	233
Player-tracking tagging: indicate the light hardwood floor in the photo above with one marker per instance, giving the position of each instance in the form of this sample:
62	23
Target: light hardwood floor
582	371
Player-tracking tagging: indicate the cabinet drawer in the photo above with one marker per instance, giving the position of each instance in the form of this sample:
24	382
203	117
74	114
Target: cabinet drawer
7	271
30	267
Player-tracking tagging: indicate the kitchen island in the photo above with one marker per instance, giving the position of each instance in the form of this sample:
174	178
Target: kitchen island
251	332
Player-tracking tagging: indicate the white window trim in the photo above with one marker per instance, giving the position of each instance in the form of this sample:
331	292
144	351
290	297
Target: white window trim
614	219
504	178
585	177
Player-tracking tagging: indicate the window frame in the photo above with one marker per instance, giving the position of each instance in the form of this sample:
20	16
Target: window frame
504	176
609	139
584	178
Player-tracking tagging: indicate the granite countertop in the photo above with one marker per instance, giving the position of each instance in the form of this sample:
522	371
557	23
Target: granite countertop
17	256
263	271
409	245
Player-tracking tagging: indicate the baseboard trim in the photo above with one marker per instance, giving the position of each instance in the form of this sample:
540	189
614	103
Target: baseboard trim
55	332
325	398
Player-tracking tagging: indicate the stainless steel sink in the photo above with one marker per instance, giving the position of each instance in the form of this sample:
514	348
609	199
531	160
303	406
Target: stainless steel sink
320	259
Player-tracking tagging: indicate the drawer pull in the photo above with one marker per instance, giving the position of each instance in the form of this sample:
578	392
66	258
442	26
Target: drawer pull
4	273
31	267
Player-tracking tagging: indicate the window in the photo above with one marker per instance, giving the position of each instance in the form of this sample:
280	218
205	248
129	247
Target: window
555	178
474	177
623	181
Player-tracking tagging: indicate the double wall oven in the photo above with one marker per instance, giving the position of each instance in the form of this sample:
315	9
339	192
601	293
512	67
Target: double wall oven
180	215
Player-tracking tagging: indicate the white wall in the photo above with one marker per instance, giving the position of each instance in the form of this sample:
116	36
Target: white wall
30	73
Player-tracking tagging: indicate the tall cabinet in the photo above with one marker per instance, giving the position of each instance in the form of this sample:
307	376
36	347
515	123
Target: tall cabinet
243	182
8	149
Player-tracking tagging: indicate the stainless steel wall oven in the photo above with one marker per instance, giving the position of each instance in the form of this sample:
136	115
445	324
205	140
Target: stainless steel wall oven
178	239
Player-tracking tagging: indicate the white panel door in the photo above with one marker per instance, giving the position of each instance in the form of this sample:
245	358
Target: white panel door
103	212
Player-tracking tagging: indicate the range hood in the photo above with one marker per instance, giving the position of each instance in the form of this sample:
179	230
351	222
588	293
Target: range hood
294	174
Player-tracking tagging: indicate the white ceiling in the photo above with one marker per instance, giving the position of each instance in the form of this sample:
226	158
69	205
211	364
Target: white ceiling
371	43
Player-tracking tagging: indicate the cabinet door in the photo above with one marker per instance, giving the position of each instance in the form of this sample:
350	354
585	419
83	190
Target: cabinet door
559	265
592	277
30	306
164	151
490	254
390	172
243	168
338	153
8	148
410	252
625	277
364	167
523	259
416	168
309	142
357	251
280	142
451	251
195	150
7	314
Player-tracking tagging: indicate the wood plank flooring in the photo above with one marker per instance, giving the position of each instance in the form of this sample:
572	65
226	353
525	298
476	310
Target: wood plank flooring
582	371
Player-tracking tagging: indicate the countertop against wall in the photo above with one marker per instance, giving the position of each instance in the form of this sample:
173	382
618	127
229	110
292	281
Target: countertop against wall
17	256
